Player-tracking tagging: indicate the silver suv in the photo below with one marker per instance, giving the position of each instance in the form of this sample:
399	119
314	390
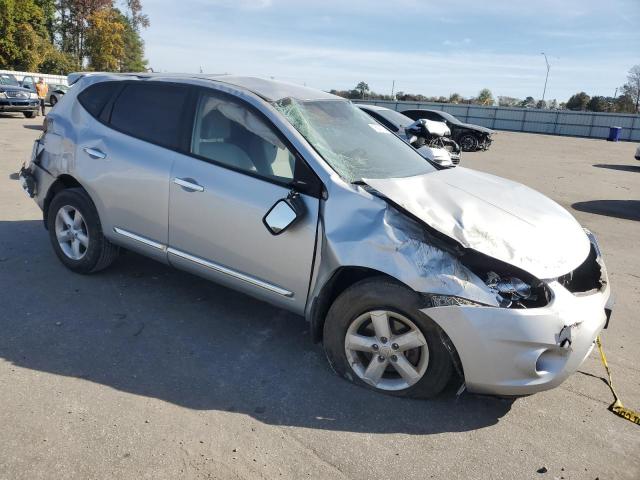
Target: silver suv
408	273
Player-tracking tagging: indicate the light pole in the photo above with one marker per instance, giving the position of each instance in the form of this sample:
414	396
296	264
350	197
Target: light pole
547	77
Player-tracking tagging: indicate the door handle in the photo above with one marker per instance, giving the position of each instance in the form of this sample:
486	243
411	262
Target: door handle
94	152
188	184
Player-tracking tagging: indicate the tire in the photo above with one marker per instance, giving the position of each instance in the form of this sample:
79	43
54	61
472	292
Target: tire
83	247
53	100
379	294
468	142
31	114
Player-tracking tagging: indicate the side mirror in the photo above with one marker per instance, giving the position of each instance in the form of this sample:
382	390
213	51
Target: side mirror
284	213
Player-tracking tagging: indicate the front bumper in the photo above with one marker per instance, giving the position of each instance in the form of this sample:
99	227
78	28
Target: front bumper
15	105
507	351
484	145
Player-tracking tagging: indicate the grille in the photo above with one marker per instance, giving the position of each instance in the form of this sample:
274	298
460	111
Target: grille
16	94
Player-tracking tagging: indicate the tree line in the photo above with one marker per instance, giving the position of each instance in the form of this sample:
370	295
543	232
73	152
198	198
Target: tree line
628	101
61	36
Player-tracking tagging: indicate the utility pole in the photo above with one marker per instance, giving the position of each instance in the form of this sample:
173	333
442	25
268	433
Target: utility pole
547	77
393	87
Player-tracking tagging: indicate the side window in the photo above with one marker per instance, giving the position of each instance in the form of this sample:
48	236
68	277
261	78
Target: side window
426	115
383	121
96	96
228	133
151	112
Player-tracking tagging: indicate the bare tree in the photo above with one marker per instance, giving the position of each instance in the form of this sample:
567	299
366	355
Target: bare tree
632	87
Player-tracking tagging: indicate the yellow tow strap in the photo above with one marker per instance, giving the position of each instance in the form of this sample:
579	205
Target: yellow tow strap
617	407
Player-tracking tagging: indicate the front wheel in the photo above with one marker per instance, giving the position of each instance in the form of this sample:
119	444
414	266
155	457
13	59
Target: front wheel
468	142
31	114
376	337
76	233
53	100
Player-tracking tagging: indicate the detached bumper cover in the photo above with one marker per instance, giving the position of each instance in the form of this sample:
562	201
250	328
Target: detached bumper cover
522	351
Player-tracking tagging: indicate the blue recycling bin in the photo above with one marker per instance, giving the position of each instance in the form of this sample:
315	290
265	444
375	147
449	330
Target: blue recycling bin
614	134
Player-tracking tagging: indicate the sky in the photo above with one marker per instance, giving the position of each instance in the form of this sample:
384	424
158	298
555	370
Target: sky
428	47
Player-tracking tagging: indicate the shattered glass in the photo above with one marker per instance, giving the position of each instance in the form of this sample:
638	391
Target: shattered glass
350	141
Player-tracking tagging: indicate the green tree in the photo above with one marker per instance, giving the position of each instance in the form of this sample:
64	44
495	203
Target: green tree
541	104
455	98
48	8
105	40
363	88
578	101
22	34
598	104
133	59
528	102
485	97
625	104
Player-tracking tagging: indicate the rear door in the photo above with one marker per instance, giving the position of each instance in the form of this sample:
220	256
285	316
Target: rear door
126	154
239	167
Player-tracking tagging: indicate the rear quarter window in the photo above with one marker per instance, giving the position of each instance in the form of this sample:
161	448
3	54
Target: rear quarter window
150	112
95	97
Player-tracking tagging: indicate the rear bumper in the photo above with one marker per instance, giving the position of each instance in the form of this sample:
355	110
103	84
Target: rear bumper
34	179
523	351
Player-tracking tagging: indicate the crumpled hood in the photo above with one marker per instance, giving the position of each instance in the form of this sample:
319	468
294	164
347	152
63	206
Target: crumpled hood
494	216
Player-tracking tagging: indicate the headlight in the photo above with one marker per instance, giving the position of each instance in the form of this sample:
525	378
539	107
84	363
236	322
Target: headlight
511	291
3	95
33	96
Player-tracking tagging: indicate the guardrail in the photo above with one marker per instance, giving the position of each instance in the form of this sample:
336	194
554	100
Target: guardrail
553	122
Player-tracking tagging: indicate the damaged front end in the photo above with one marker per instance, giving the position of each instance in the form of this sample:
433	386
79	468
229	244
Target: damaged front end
510	332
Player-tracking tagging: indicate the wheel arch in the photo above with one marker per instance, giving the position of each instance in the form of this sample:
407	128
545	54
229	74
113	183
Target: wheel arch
341	279
63	182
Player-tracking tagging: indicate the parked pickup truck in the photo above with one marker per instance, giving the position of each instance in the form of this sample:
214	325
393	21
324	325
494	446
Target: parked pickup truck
14	98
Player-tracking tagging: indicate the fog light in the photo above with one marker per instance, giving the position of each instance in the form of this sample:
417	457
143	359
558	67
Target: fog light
550	362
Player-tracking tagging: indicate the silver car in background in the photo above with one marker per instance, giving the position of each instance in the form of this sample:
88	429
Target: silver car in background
408	273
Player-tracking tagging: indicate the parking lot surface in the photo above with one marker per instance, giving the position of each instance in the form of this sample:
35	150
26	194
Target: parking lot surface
142	371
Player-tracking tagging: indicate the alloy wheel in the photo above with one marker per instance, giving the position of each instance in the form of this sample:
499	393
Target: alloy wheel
71	232
386	350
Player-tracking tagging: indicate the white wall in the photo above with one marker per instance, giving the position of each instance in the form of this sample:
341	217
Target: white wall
51	79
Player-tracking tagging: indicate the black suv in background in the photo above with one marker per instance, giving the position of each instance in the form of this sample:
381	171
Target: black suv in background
469	137
14	98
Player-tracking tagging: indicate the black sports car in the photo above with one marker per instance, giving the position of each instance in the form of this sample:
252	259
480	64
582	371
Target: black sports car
469	137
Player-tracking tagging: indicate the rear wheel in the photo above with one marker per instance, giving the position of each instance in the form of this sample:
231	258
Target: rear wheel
53	100
76	233
469	142
376	337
